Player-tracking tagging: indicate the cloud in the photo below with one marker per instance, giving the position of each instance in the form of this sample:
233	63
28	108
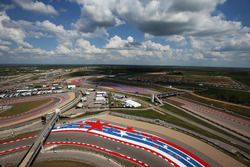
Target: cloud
117	43
176	32
9	33
96	15
86	47
36	6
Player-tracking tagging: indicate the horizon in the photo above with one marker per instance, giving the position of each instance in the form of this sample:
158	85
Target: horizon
126	65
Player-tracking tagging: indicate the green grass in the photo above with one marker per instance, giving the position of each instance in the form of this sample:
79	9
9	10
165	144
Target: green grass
23	107
233	96
168	118
113	103
61	163
236	109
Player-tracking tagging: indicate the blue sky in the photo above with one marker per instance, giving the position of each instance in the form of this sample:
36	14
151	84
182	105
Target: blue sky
158	32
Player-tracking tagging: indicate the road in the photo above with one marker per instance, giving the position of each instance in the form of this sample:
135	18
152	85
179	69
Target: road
229	121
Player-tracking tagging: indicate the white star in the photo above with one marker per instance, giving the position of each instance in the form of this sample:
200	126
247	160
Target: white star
122	133
165	146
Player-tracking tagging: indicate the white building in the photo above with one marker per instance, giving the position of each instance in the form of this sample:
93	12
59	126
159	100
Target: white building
131	104
84	99
79	105
100	100
101	93
71	86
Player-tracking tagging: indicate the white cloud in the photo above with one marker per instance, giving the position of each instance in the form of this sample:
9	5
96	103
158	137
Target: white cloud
13	34
191	32
86	47
36	6
149	45
177	38
96	15
116	42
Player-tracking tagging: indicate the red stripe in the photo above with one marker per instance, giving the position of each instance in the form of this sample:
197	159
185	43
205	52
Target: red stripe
100	149
167	159
15	140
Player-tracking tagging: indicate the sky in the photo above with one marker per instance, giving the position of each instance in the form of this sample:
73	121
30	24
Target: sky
131	32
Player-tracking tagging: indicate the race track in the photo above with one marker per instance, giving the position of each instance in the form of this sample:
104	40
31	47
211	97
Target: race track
139	147
227	120
55	100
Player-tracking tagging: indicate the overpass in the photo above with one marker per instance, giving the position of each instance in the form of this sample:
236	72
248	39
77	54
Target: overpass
169	94
30	156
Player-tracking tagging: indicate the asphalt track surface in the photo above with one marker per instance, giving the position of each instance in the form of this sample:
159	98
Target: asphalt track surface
149	151
88	141
229	121
55	100
84	157
124	88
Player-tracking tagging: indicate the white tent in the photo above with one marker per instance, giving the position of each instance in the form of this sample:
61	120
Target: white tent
131	103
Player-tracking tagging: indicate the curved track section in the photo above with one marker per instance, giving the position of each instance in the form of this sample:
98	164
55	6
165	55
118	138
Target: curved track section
124	88
54	101
101	149
157	146
142	148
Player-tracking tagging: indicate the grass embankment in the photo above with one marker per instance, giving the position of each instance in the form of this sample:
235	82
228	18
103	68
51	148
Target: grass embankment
236	109
233	96
23	107
61	163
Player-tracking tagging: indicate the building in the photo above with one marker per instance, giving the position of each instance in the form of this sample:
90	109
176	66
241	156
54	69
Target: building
71	86
79	105
131	104
101	94
118	96
100	97
84	99
100	100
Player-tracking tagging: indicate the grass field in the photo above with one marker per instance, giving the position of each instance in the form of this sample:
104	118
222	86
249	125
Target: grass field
23	107
233	96
113	103
236	109
61	163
